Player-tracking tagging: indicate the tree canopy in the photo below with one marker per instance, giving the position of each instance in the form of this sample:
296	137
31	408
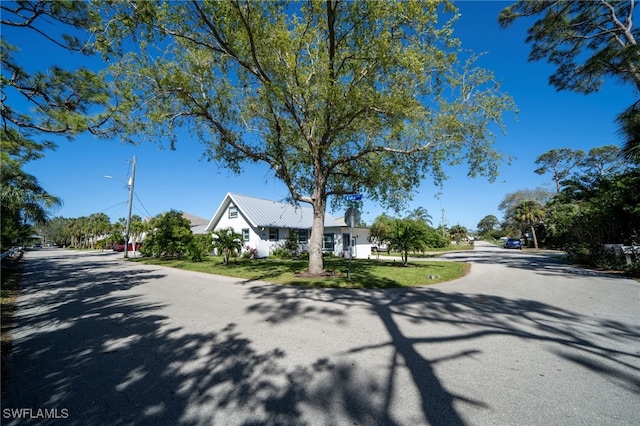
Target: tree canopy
587	41
602	161
59	101
36	104
458	233
559	162
335	97
487	224
170	236
511	200
567	165
406	235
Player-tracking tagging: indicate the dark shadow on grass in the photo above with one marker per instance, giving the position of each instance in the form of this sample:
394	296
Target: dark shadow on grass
362	274
335	276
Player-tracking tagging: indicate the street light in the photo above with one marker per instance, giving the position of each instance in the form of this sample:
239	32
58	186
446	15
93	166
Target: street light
130	184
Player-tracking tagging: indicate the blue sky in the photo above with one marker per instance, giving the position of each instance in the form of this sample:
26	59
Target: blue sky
180	180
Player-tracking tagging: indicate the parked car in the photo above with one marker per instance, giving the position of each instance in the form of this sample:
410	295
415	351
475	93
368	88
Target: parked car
37	245
513	243
120	247
379	247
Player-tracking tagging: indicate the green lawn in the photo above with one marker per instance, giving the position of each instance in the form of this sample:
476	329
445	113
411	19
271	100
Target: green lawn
364	273
428	252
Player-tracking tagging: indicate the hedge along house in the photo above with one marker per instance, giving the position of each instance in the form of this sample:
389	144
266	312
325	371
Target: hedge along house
265	225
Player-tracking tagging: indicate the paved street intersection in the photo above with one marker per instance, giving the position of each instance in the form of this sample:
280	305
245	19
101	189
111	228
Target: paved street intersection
523	339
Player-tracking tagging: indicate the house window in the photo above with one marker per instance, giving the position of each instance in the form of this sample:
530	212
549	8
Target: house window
302	235
245	234
327	242
233	212
273	234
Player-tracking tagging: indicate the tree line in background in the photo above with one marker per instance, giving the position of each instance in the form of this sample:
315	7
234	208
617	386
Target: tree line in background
595	201
412	233
90	232
167	235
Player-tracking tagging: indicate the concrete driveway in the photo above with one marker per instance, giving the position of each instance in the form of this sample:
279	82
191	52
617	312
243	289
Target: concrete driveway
521	340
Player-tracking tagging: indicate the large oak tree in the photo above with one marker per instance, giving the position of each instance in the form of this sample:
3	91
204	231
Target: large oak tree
335	97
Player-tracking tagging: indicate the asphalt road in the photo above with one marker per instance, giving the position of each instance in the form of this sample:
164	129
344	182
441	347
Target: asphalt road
521	340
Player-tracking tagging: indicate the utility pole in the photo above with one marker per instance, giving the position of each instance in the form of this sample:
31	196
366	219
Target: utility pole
131	182
443	220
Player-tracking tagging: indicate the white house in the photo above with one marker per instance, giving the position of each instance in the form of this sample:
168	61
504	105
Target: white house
265	225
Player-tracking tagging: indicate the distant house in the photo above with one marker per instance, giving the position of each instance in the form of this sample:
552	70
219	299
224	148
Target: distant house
265	225
197	224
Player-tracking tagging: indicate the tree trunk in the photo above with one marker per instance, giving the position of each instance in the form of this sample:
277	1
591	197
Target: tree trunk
535	240
316	264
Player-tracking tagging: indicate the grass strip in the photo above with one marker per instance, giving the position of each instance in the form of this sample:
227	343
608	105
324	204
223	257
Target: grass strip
364	273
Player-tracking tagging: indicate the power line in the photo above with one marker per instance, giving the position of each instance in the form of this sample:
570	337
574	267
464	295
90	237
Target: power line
145	209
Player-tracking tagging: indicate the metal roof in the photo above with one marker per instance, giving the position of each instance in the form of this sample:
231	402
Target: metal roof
195	220
267	213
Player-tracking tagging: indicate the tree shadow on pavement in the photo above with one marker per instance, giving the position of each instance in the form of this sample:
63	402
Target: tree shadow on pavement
542	264
89	350
600	345
89	344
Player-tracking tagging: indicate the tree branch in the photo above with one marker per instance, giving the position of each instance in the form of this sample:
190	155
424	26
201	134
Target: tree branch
252	44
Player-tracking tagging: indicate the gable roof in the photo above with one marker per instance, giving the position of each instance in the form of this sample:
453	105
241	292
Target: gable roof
195	220
197	224
267	213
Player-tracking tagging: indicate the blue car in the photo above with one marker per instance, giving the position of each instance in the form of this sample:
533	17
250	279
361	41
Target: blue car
513	243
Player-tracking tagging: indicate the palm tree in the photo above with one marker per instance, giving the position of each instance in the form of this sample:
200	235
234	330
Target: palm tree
420	214
82	231
99	224
458	232
117	231
138	227
227	241
23	201
529	213
629	130
79	231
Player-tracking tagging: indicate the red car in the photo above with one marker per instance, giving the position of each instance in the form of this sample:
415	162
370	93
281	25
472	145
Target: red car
120	247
